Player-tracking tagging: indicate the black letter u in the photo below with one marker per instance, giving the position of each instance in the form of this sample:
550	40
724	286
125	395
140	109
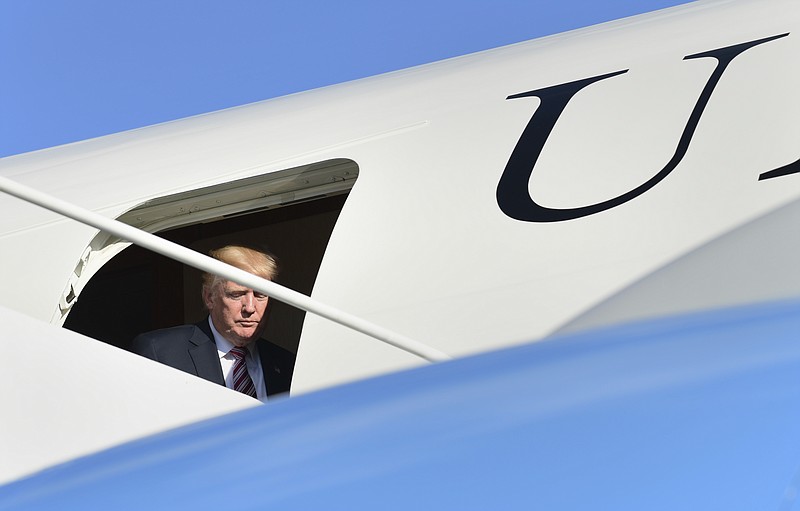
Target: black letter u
512	190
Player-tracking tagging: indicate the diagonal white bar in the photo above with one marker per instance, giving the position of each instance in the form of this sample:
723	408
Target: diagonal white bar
208	264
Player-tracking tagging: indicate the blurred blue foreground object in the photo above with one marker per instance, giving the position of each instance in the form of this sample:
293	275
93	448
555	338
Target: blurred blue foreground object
683	413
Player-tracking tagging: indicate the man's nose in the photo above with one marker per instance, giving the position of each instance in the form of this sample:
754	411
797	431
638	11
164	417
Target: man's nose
249	302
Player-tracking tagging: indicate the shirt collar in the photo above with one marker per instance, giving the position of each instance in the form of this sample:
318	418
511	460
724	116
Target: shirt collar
223	344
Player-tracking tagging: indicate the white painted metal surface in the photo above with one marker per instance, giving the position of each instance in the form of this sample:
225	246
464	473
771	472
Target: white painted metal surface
66	395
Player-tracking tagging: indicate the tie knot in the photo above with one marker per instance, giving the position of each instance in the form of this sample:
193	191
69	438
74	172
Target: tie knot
237	352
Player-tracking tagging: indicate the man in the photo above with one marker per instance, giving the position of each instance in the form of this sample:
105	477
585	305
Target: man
226	347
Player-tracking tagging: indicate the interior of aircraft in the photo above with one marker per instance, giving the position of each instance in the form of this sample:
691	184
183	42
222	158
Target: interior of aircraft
139	290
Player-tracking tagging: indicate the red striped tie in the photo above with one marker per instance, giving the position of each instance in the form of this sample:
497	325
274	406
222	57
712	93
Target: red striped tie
241	379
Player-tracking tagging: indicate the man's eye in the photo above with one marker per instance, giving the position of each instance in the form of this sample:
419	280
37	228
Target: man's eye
260	296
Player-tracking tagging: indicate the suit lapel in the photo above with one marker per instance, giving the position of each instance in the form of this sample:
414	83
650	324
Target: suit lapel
204	354
266	367
276	379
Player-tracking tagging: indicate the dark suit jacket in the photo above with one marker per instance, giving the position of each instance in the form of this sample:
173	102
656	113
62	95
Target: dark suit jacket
191	349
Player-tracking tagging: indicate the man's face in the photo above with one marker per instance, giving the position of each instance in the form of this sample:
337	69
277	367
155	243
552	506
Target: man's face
237	311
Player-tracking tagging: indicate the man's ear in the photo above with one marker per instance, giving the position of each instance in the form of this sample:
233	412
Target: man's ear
208	297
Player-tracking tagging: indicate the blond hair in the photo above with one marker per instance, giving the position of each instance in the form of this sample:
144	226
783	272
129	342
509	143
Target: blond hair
257	262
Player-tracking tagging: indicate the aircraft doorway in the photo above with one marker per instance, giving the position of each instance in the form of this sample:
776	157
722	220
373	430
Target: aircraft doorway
138	290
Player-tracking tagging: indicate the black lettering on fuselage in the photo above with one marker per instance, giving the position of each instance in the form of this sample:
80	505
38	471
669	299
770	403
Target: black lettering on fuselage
513	196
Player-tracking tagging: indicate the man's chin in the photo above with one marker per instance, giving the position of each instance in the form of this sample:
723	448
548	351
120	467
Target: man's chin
246	335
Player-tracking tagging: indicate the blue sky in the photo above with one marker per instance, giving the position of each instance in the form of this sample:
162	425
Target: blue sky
79	69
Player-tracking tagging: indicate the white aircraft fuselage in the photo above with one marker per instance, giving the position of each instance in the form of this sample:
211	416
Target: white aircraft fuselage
637	168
